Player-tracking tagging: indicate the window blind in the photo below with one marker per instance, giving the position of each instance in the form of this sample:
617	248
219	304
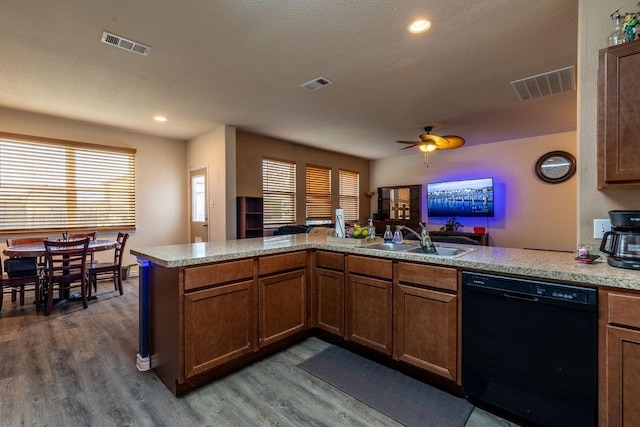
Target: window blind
48	184
279	192
318	193
349	194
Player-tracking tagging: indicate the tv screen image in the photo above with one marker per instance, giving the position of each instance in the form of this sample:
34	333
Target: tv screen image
464	198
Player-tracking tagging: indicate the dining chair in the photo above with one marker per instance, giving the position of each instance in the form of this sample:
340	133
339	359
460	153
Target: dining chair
17	282
109	269
65	268
91	235
21	266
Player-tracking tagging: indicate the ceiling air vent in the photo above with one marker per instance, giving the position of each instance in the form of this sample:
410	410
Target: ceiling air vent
316	83
125	44
546	84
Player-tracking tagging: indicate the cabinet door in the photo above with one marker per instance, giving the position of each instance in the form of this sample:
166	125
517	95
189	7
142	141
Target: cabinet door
330	288
623	376
619	115
368	313
425	330
220	324
282	306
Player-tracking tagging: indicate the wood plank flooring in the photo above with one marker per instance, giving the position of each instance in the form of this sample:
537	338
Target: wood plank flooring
77	368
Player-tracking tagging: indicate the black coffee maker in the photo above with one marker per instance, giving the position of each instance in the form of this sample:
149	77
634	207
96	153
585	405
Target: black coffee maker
622	243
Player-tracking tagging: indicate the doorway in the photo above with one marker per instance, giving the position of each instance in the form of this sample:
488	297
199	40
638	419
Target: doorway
198	222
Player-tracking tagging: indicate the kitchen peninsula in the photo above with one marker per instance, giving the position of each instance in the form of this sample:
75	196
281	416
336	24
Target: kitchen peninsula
215	307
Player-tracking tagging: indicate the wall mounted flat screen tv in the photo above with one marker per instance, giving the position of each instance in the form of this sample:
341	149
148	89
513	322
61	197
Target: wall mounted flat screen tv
465	198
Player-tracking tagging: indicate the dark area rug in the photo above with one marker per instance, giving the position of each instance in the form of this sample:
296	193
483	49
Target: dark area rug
398	396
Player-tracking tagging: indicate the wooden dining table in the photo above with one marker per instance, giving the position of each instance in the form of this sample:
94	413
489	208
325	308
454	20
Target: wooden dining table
38	250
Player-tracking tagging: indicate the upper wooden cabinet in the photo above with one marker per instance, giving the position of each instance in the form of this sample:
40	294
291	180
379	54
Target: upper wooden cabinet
619	115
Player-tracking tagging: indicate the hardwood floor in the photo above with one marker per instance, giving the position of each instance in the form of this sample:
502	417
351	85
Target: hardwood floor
77	368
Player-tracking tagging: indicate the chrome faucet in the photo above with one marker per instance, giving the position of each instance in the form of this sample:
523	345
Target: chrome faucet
425	239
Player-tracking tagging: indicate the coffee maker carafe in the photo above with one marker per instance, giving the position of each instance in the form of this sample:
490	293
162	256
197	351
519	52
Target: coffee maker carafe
622	243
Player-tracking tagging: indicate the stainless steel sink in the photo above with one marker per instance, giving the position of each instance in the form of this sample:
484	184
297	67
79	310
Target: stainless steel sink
442	251
395	247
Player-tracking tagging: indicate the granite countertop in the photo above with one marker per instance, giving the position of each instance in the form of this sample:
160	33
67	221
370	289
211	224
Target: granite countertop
534	263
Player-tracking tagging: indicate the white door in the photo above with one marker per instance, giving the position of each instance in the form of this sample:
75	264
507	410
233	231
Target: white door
199	205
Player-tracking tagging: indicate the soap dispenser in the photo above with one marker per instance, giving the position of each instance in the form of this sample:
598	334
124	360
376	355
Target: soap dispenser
617	36
397	236
387	236
371	229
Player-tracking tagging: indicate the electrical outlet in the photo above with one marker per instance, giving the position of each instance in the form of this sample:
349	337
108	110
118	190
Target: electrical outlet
600	226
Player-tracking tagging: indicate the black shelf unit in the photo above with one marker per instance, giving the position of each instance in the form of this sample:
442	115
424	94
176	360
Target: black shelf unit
250	217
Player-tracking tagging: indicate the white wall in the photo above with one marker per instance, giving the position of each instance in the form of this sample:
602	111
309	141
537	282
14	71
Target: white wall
593	30
160	179
529	213
215	150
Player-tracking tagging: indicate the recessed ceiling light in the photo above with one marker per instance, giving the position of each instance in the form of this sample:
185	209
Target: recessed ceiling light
419	26
161	119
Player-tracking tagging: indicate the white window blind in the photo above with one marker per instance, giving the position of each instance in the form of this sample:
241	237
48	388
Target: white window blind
349	194
318	193
279	192
48	184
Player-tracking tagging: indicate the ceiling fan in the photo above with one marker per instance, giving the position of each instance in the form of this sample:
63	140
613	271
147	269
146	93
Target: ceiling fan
429	143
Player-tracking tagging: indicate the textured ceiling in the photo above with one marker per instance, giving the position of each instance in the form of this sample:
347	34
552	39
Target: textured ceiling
240	63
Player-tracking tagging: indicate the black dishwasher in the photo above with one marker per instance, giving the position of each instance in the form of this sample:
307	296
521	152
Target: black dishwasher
530	348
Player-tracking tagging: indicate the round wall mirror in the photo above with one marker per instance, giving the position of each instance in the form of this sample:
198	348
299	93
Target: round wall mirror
556	167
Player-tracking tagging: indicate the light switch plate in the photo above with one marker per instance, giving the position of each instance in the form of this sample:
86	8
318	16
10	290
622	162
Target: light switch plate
600	226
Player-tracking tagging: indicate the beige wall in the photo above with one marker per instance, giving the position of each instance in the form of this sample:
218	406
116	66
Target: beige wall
215	150
594	29
529	213
160	177
251	148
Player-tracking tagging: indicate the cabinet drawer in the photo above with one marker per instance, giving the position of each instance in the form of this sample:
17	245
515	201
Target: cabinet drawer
330	260
428	275
624	309
282	262
369	266
215	274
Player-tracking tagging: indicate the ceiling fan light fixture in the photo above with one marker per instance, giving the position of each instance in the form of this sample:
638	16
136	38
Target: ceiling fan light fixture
428	147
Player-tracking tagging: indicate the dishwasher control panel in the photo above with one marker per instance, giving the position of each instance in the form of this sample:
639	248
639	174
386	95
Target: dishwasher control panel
532	288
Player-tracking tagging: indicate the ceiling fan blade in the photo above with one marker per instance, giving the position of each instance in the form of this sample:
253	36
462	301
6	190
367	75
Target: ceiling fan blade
410	146
453	141
438	140
410	142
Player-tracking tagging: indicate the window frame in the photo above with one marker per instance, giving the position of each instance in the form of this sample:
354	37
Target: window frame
278	192
349	202
49	184
318	208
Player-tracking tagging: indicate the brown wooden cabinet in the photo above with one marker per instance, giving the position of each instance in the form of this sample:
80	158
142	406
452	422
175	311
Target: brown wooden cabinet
369	307
330	292
283	296
619	372
220	314
619	115
425	318
250	217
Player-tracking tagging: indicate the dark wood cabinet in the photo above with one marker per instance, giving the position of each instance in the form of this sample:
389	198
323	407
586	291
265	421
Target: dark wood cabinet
369	307
619	357
283	296
220	324
400	203
330	292
250	219
619	115
220	314
425	318
460	237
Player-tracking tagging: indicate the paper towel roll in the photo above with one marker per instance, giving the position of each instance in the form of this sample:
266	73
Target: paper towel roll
340	230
